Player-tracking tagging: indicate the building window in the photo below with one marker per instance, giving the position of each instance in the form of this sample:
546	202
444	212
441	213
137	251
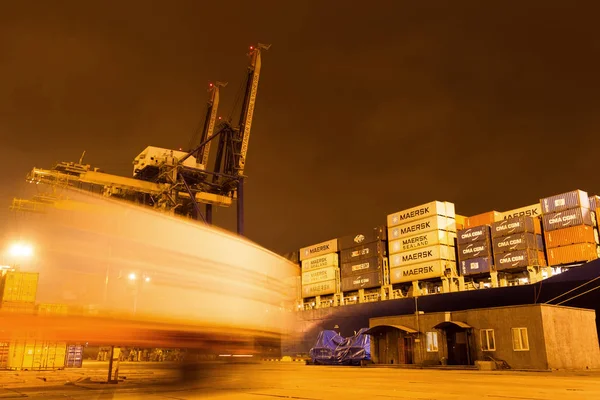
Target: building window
520	339
432	342
488	340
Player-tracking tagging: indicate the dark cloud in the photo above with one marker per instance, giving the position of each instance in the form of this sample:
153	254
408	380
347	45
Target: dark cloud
363	109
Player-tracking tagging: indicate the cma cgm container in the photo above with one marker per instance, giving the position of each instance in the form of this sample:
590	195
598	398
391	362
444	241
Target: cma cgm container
565	201
19	286
522	224
517	241
377	234
571	235
482	248
594	202
476	266
581	252
568	218
445	209
474	234
365	280
319	249
361	267
36	355
519	259
363	251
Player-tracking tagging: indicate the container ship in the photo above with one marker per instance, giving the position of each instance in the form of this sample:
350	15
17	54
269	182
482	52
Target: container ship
430	259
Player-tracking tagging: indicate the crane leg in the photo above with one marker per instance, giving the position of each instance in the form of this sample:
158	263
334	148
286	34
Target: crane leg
240	207
208	214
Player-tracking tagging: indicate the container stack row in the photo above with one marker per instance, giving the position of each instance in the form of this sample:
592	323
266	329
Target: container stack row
363	256
475	251
518	244
570	228
320	269
422	243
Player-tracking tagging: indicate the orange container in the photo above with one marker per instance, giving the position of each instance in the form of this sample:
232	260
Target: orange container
581	252
598	217
460	221
571	235
542	259
487	218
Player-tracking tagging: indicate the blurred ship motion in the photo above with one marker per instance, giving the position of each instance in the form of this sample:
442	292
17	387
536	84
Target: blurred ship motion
134	277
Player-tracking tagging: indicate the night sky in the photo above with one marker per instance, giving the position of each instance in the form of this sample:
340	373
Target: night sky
364	108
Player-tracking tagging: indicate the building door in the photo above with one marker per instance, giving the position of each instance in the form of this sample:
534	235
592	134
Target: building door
382	349
457	347
408	350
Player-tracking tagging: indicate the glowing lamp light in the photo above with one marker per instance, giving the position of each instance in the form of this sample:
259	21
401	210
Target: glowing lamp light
147	279
132	276
20	250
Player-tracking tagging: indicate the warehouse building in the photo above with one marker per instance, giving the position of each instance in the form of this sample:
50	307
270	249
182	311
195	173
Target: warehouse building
537	336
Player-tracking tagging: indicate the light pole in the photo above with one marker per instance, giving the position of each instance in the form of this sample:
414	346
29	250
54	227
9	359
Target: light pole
137	282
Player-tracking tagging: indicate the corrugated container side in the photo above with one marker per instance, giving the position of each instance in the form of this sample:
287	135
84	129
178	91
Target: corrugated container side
430	209
534	210
518	241
328	260
19	286
362	266
52	309
575	253
517	259
430	238
363	281
422	271
482	248
319	249
565	201
598	217
423	254
36	355
594	202
542	259
567	218
319	275
476	266
487	218
367	236
17	307
460	221
74	357
514	225
363	252
474	234
540	242
319	289
421	226
571	235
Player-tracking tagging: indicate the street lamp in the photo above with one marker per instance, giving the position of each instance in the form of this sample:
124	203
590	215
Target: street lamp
21	250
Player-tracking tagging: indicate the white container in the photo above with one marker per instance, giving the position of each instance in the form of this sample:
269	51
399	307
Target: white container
431	209
413	242
319	249
319	275
421	226
328	260
423	254
534	210
422	271
319	289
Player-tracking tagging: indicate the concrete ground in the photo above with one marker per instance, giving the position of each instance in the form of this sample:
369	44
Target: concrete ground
297	381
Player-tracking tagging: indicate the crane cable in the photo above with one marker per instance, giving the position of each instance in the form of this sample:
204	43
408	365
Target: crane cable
575	288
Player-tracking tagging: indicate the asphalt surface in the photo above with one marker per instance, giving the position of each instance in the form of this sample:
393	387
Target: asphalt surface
297	381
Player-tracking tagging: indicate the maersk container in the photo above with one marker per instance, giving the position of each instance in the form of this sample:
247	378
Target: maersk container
568	218
362	238
482	248
423	271
515	225
19	286
518	241
319	249
575	253
328	260
534	210
364	251
367	280
475	234
362	266
565	201
421	226
413	242
445	209
517	260
571	235
423	254
476	266
487	218
320	289
319	275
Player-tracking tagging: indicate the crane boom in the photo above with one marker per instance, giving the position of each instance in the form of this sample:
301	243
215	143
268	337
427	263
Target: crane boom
250	100
211	117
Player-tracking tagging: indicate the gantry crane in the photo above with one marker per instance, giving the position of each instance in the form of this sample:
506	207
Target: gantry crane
177	181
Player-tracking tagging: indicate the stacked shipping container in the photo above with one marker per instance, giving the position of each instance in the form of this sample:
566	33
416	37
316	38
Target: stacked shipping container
475	251
363	256
421	242
569	228
320	269
18	291
517	243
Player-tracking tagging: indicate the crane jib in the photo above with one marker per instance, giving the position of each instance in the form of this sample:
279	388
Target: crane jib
249	113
